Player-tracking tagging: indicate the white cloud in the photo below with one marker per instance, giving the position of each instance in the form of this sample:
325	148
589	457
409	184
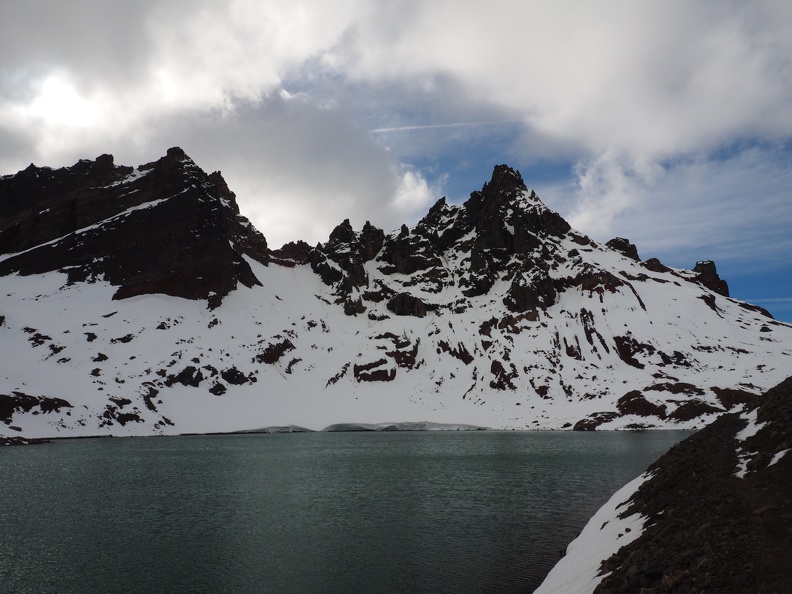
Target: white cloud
58	104
654	78
412	198
639	94
608	185
298	169
650	77
626	87
735	209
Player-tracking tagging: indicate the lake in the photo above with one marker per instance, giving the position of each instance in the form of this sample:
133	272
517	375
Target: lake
306	512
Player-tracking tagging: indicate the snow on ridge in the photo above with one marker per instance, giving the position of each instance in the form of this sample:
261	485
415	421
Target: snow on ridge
167	335
136	174
94	226
604	534
777	457
283	353
751	428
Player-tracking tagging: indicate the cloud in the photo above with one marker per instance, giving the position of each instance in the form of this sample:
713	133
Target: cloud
413	128
412	197
127	65
299	169
733	209
624	87
650	77
205	75
607	186
635	99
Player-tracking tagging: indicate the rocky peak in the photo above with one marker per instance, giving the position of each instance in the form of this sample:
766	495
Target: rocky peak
524	322
620	244
103	164
372	239
164	227
343	234
499	231
217	180
487	208
507	217
444	225
176	153
34	188
292	253
707	275
340	262
505	182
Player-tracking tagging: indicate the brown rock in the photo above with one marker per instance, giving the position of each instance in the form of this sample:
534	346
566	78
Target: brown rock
174	230
405	304
625	247
708	276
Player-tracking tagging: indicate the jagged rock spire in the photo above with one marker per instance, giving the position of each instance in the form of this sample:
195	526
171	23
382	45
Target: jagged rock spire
165	227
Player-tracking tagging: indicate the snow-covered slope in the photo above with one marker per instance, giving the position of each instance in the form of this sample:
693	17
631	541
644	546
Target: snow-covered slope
494	313
578	572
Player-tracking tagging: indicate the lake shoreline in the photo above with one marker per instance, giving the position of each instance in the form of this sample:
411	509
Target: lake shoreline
401	426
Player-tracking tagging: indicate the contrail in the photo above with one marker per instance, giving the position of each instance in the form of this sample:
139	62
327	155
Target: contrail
771	300
437	126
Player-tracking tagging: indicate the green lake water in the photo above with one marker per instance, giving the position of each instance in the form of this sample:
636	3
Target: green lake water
314	512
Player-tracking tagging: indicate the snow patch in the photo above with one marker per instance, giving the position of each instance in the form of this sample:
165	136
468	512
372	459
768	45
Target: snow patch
751	428
604	535
777	457
135	175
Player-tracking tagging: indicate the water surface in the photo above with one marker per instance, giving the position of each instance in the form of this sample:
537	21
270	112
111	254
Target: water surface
315	512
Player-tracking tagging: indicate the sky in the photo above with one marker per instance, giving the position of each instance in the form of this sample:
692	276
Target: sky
667	122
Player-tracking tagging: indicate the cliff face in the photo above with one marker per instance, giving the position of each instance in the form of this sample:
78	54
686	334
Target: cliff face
714	514
718	509
164	227
139	300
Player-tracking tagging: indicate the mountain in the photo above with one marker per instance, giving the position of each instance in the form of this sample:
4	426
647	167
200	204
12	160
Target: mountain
139	301
712	514
165	227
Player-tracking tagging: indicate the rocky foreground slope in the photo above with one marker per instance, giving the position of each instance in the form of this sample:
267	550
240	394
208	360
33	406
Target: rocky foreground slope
139	300
714	514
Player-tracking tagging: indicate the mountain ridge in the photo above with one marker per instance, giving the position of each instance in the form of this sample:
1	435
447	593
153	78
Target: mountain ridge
712	514
494	312
79	207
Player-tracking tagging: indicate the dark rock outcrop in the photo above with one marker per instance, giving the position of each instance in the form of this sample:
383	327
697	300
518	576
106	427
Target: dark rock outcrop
655	265
405	304
340	262
635	403
620	244
292	254
594	420
524	295
374	372
706	528
707	275
166	227
20	402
